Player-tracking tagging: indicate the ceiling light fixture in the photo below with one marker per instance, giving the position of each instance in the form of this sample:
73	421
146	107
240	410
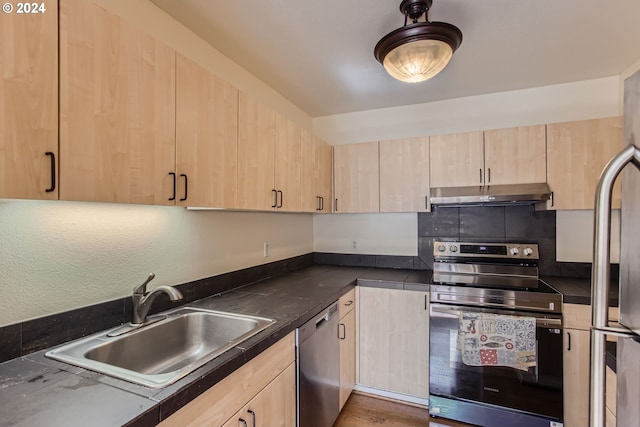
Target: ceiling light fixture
420	49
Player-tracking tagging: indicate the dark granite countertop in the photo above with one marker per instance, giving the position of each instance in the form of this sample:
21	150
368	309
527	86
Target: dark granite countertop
38	391
578	291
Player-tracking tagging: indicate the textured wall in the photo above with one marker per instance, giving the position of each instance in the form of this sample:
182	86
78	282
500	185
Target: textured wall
55	256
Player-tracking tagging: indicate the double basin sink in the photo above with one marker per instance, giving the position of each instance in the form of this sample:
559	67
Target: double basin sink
160	353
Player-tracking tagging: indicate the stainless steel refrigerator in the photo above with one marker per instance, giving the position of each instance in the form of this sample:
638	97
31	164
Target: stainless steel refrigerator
627	164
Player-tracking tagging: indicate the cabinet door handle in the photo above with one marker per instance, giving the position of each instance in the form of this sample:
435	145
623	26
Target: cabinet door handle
344	331
489	181
552	201
244	423
480	175
348	303
53	171
281	201
253	417
186	186
336	205
274	193
568	341
172	174
426	303
321	203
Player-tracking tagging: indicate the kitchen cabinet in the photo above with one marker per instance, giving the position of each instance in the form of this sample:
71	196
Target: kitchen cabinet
269	158
316	174
275	406
576	362
117	109
347	336
265	385
456	160
404	175
206	137
393	333
578	152
356	177
611	385
29	104
500	156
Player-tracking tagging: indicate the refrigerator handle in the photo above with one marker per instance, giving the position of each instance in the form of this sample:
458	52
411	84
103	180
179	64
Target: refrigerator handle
600	280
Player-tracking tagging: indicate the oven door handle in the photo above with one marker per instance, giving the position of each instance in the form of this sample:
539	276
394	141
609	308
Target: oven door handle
457	311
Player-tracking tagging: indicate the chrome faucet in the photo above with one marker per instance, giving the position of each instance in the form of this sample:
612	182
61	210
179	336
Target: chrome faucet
142	299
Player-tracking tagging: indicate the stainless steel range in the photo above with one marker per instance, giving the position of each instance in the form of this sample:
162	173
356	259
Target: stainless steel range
495	337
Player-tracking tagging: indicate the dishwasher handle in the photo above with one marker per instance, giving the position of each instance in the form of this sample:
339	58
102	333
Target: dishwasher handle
326	318
320	321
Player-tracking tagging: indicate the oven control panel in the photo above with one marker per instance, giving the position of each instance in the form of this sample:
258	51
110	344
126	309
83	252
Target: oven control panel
485	250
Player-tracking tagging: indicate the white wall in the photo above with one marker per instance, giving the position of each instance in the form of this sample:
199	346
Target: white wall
56	256
574	236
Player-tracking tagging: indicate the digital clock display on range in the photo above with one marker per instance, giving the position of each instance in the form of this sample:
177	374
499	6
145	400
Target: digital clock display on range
483	249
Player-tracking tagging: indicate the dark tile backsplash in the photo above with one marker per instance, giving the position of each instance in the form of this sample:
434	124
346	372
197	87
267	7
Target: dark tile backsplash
33	335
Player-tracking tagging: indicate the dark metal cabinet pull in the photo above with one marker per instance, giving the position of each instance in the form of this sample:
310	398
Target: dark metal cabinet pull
552	200
321	203
480	176
244	423
253	416
275	198
489	176
53	171
336	205
186	186
348	303
172	174
344	331
568	341
281	199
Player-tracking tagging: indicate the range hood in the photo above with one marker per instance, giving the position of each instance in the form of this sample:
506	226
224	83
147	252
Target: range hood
490	195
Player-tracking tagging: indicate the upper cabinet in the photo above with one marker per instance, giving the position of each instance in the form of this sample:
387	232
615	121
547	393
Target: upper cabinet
206	137
404	175
269	158
578	152
29	104
502	156
356	177
457	160
515	155
117	110
317	161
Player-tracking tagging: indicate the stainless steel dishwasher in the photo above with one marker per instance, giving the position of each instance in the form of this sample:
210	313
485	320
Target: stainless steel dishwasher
318	356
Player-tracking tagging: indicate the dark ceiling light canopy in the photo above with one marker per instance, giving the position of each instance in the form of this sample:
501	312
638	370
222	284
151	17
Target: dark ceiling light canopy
418	50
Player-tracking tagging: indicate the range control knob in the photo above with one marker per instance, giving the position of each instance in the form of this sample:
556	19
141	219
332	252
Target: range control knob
514	251
453	248
442	248
528	251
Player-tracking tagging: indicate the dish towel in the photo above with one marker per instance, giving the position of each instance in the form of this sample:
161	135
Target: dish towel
487	339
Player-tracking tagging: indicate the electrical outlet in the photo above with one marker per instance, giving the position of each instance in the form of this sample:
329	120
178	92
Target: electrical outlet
354	244
265	251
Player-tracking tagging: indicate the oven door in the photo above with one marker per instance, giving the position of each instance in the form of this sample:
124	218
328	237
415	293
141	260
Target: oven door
536	391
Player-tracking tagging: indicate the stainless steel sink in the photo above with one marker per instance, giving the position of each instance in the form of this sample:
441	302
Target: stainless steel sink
160	353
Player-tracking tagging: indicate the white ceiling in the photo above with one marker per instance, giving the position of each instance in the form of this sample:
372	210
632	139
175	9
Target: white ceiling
319	53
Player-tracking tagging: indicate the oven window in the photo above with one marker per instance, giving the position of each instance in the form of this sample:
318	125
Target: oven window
537	390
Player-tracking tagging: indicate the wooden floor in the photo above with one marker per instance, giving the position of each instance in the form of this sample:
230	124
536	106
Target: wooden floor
366	411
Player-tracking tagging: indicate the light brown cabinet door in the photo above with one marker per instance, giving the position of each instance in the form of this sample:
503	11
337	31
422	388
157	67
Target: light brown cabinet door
29	104
457	160
256	155
394	343
576	377
577	154
515	155
347	335
117	109
274	406
206	137
404	175
288	164
316	174
356	177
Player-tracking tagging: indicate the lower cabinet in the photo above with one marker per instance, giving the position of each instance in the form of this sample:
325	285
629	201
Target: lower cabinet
259	394
611	398
275	406
347	336
393	353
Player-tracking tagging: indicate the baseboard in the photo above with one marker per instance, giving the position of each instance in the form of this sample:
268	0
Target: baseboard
420	402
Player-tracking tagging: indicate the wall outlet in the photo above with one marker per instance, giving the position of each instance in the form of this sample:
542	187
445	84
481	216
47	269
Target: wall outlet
265	250
354	244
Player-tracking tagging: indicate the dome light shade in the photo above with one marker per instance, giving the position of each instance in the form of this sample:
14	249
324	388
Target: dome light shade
417	51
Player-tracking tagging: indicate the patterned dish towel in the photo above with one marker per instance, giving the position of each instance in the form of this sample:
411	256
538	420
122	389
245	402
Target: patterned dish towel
486	339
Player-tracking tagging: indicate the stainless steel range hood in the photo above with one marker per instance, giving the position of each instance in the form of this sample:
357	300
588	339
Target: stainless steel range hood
490	195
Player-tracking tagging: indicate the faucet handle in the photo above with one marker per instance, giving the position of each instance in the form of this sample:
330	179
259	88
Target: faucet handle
142	289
